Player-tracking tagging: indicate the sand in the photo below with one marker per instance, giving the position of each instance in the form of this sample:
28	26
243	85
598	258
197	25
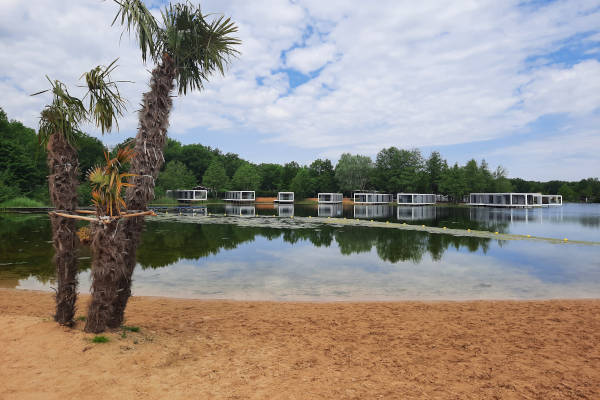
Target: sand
192	349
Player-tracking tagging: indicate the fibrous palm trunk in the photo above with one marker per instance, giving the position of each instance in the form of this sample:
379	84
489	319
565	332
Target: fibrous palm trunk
149	144
62	183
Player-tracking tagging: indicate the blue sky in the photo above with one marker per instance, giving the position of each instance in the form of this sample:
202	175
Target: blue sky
514	82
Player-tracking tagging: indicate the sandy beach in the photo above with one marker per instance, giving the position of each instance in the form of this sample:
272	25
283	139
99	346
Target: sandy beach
265	350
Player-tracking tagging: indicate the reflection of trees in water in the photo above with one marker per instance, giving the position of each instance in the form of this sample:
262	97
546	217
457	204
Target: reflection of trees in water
26	248
165	243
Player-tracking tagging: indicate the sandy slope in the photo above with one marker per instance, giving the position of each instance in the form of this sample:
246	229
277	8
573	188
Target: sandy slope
189	349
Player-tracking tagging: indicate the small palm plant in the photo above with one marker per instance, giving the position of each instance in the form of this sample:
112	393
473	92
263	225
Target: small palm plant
59	129
108	183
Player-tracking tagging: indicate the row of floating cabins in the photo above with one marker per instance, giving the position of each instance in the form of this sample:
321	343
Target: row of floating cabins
525	200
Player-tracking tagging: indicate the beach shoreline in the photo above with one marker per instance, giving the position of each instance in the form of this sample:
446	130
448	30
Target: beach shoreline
189	348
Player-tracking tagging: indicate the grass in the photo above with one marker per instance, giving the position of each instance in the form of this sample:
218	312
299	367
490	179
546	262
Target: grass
164	201
100	339
130	328
21	202
81	318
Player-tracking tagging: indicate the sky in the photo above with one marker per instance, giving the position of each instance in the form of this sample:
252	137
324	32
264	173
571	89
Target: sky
516	83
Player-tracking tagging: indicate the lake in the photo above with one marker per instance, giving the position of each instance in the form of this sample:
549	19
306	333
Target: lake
321	263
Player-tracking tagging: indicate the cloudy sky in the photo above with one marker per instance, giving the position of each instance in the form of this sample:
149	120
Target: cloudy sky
514	82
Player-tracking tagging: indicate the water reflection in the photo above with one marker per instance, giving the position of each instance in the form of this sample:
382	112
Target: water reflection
421	213
375	211
240	210
285	210
330	210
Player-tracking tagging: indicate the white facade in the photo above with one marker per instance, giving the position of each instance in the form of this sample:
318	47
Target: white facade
188	195
285	197
330	198
242	196
415	198
506	199
373	198
551	200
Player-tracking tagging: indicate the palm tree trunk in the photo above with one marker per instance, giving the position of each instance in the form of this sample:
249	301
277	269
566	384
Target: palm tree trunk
149	145
62	183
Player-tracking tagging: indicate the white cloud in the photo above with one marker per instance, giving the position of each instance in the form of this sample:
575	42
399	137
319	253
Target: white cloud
429	73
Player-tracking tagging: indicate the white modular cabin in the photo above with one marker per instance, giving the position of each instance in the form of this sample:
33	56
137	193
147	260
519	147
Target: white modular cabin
330	210
285	197
415	199
416	213
240	196
506	199
188	195
240	210
552	200
373	211
285	210
373	198
330	198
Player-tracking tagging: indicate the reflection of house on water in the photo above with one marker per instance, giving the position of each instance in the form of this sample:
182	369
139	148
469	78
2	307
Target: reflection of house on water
285	210
242	211
504	215
416	213
330	210
373	211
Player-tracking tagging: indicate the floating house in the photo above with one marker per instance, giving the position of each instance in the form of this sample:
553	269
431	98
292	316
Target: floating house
416	213
373	198
240	210
285	210
506	199
330	198
240	196
188	195
415	199
551	200
285	197
330	210
373	211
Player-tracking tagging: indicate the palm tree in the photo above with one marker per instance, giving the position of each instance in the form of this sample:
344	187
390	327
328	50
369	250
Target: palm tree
58	132
186	48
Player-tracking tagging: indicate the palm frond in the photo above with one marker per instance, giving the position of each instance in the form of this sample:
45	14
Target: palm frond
63	115
198	47
105	101
134	15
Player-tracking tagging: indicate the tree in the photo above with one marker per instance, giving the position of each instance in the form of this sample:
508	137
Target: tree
453	183
246	177
435	168
271	177
353	172
567	193
186	48
501	183
289	172
215	178
398	170
175	176
322	176
302	184
58	132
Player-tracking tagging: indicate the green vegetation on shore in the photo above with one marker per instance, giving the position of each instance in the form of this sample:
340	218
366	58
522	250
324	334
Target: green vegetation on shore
23	202
23	173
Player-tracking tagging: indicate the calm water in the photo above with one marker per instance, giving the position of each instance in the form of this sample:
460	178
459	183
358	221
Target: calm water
346	263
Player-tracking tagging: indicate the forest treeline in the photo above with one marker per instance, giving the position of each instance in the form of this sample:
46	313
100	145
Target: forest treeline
23	172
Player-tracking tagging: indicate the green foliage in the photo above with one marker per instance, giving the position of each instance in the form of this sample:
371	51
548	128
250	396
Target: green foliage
21	202
131	328
567	193
352	172
175	176
215	178
247	177
322	176
100	339
302	184
398	170
271	178
435	168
